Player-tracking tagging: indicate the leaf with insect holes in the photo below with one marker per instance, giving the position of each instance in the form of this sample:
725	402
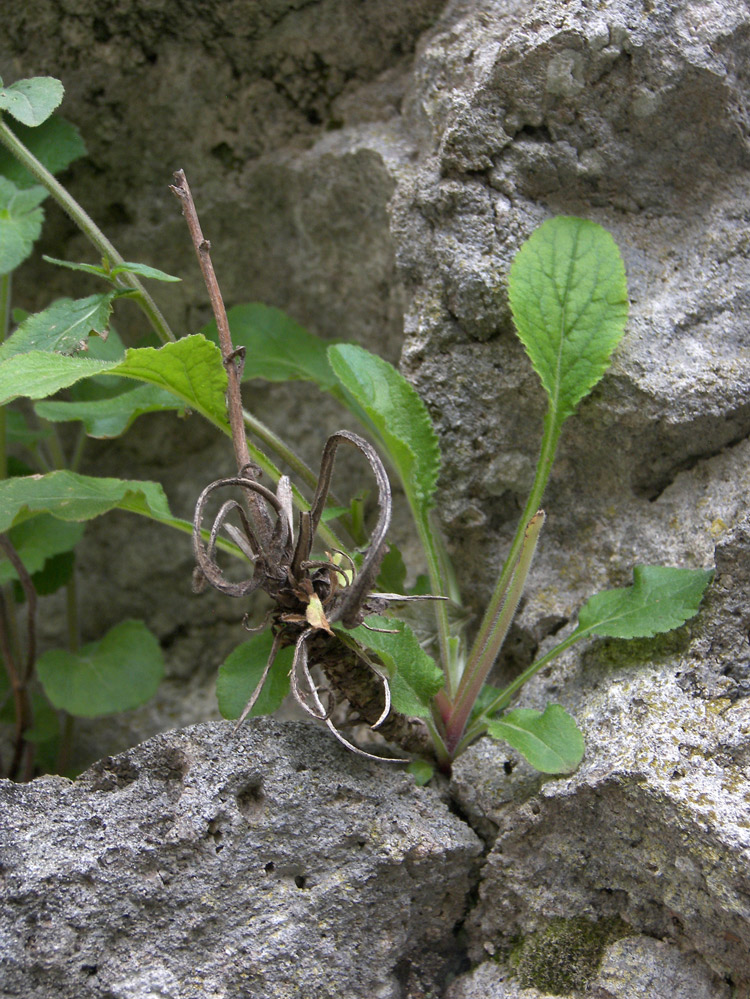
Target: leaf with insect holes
568	296
20	222
240	674
550	741
31	101
396	414
37	541
277	348
111	416
660	599
63	328
414	676
55	143
117	673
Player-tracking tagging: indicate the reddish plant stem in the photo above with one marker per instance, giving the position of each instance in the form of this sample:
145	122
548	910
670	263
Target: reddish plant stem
233	360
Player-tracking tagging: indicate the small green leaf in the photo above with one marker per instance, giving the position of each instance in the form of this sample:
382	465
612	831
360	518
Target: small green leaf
32	101
56	572
63	328
415	677
276	348
119	672
660	599
144	271
96	269
19	431
240	674
421	771
397	415
37	540
111	416
55	143
73	497
392	576
20	222
551	742
568	296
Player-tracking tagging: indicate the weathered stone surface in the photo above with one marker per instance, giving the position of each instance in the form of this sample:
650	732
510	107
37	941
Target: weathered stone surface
643	968
653	827
199	864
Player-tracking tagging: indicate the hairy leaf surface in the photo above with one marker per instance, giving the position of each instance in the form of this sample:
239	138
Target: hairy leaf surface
63	328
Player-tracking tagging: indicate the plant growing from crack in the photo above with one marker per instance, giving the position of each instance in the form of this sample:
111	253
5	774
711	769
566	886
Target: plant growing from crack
333	609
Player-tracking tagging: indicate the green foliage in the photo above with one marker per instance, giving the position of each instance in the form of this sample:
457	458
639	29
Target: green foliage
277	349
120	671
241	673
568	295
396	415
549	740
63	328
660	599
31	101
20	222
414	675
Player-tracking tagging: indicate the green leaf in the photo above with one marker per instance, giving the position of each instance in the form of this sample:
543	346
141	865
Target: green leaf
190	368
568	296
56	572
421	771
111	416
415	677
277	348
55	143
20	222
240	674
551	742
397	415
63	328
660	599
143	270
37	540
119	672
96	269
32	101
392	576
73	497
19	431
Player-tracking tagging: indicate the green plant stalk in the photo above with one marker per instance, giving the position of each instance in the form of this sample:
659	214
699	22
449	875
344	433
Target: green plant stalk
87	225
479	670
448	646
503	699
479	650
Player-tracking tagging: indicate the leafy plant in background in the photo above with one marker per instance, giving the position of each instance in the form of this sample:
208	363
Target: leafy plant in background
568	296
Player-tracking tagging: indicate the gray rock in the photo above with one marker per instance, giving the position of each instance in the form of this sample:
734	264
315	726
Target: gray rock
643	968
653	826
200	864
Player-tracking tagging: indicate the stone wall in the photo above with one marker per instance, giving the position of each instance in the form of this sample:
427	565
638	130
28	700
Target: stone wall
372	168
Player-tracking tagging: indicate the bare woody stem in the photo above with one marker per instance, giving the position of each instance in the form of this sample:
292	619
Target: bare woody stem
233	360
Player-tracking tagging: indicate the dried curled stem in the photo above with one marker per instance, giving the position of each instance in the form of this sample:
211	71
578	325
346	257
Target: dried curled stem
310	595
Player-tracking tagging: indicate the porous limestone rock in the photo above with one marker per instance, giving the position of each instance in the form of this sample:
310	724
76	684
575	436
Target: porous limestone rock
198	864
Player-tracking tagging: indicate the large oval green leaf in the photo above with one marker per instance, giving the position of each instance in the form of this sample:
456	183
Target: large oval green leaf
568	296
119	672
